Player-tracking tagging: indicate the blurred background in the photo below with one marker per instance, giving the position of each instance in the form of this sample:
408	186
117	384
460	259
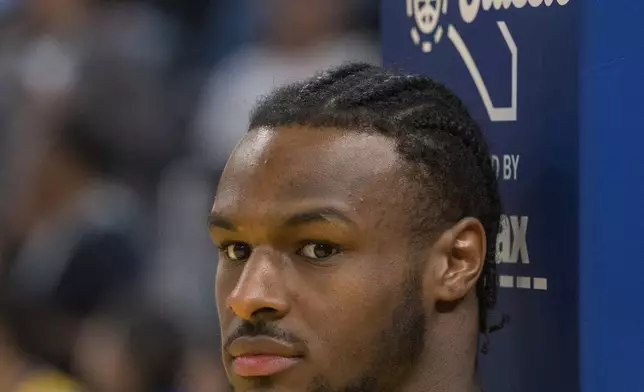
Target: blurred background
116	118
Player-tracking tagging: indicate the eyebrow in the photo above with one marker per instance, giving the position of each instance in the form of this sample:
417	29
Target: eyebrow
216	220
324	214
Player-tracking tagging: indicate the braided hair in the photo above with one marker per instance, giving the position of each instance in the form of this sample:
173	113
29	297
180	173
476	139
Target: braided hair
445	150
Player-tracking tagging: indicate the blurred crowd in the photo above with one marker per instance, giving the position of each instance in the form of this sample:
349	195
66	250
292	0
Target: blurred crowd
116	118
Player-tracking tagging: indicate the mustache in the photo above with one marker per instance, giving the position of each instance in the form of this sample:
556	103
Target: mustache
261	328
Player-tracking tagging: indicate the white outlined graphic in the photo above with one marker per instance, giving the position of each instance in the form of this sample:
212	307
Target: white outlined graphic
495	113
427	32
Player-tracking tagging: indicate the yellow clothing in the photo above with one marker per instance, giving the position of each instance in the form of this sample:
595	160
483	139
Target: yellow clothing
48	381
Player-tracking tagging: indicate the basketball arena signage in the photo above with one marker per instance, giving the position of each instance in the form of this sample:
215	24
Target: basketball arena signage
428	31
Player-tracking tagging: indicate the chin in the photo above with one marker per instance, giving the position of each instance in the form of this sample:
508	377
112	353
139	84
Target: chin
276	383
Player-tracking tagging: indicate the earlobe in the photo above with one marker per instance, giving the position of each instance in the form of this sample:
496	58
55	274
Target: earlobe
463	249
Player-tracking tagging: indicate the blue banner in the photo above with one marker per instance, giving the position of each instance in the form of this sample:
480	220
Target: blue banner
515	64
611	136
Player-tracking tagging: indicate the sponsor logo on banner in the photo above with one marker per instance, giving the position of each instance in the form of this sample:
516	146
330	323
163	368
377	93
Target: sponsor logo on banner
428	31
512	248
429	28
512	240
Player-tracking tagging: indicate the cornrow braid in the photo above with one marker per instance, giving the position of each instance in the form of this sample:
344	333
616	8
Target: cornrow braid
444	147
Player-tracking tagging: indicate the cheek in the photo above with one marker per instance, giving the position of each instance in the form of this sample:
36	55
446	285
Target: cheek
350	314
224	284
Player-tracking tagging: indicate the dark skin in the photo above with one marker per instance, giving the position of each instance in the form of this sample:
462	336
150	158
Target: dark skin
316	251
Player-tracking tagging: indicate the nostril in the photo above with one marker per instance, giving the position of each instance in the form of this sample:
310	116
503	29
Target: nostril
266	312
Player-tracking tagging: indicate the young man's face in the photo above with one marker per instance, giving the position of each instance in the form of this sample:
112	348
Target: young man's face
315	287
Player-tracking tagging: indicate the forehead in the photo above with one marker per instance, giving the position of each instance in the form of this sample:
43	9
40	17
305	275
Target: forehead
294	164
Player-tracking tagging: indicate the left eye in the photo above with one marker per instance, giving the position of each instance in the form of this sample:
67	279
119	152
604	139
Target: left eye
318	251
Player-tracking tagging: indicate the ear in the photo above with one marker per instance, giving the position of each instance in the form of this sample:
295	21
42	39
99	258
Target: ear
459	256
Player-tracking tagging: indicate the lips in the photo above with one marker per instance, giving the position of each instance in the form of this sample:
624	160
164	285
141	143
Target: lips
262	356
262	365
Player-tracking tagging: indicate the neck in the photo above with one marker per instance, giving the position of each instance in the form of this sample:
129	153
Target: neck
454	339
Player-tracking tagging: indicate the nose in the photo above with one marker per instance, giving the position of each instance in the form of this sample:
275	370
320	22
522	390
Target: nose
260	291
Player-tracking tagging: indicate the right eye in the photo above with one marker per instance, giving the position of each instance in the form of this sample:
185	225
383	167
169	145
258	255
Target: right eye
236	251
319	251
